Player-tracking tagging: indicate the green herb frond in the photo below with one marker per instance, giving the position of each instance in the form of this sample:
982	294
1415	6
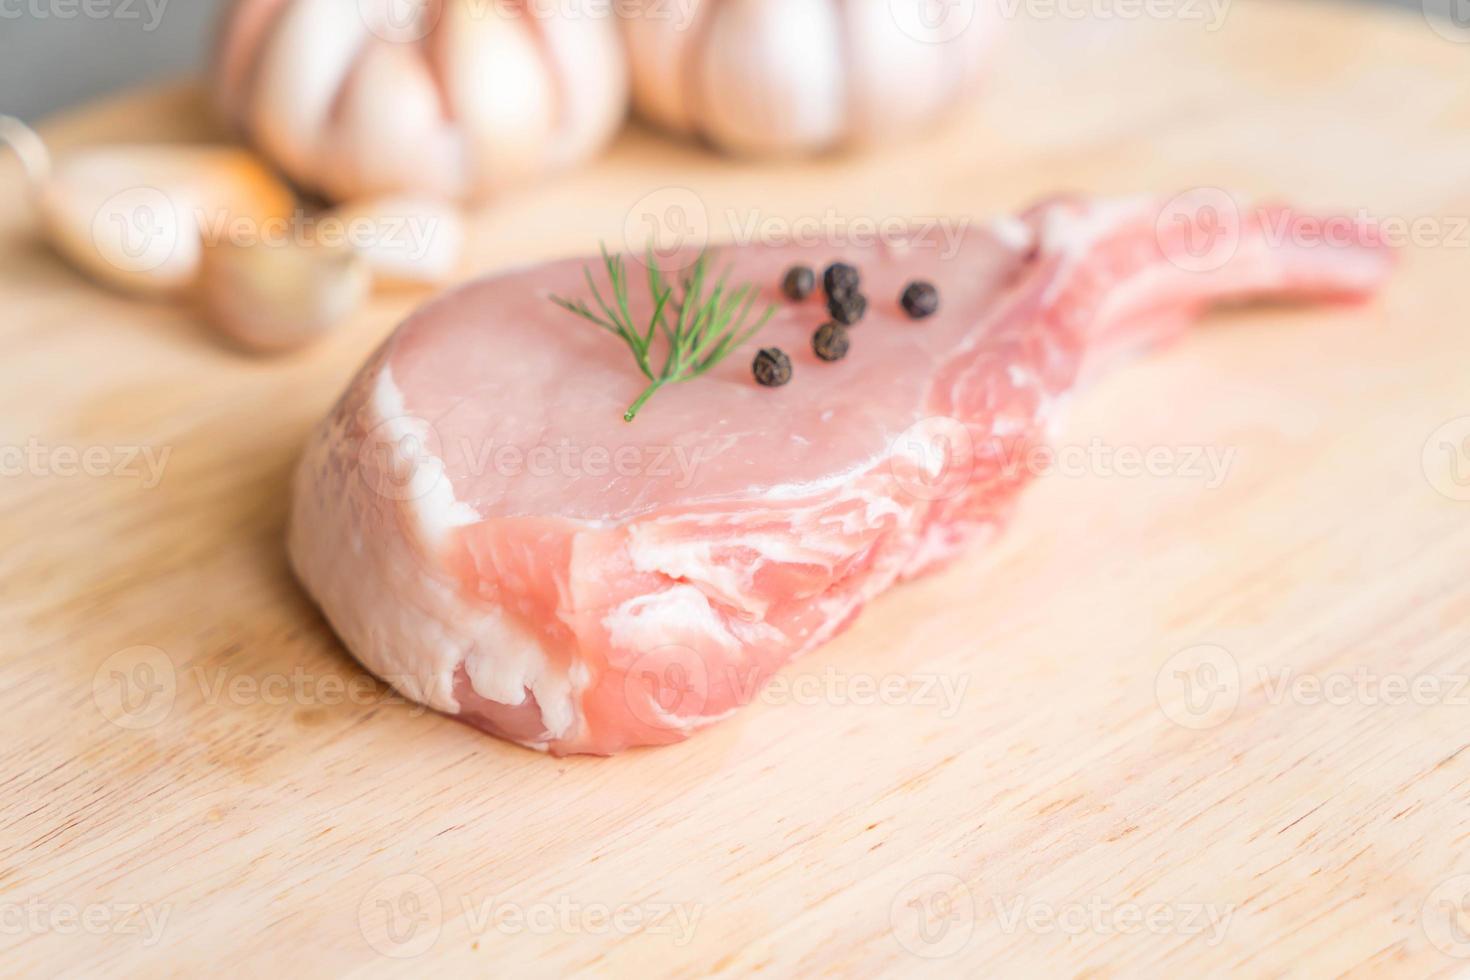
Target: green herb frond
699	329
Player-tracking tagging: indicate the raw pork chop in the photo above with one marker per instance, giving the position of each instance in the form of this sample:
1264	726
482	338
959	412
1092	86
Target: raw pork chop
485	531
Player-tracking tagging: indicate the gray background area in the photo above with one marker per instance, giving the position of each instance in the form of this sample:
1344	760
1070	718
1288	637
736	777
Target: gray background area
55	53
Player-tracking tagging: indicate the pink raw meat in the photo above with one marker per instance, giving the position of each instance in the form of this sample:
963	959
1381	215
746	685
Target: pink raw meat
486	533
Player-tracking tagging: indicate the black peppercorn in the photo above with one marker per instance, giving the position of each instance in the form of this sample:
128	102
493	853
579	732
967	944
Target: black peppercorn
847	308
772	367
839	279
799	282
920	299
831	342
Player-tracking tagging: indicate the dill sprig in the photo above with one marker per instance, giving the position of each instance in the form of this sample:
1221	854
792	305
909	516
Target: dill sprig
708	321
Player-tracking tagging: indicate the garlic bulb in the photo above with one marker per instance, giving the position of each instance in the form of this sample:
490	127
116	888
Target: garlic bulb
452	98
135	217
770	77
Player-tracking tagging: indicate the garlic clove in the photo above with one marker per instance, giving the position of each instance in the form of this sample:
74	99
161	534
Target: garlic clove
301	70
390	131
274	297
405	240
585	57
771	76
499	87
131	217
661	53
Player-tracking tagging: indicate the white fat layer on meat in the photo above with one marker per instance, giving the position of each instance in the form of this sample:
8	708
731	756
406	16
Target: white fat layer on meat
657	619
412	441
505	660
647	622
685	558
502	659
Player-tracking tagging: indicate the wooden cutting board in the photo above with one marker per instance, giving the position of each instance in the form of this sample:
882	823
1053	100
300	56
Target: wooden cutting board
1169	725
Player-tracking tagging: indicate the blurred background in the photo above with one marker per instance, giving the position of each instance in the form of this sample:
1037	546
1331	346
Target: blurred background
57	53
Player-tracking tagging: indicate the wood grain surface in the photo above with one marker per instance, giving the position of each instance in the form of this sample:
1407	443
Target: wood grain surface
1204	721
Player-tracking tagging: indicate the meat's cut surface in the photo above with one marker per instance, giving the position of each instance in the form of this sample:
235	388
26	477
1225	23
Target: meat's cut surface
485	532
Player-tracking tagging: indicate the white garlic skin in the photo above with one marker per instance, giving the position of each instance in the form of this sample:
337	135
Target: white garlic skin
789	77
356	99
